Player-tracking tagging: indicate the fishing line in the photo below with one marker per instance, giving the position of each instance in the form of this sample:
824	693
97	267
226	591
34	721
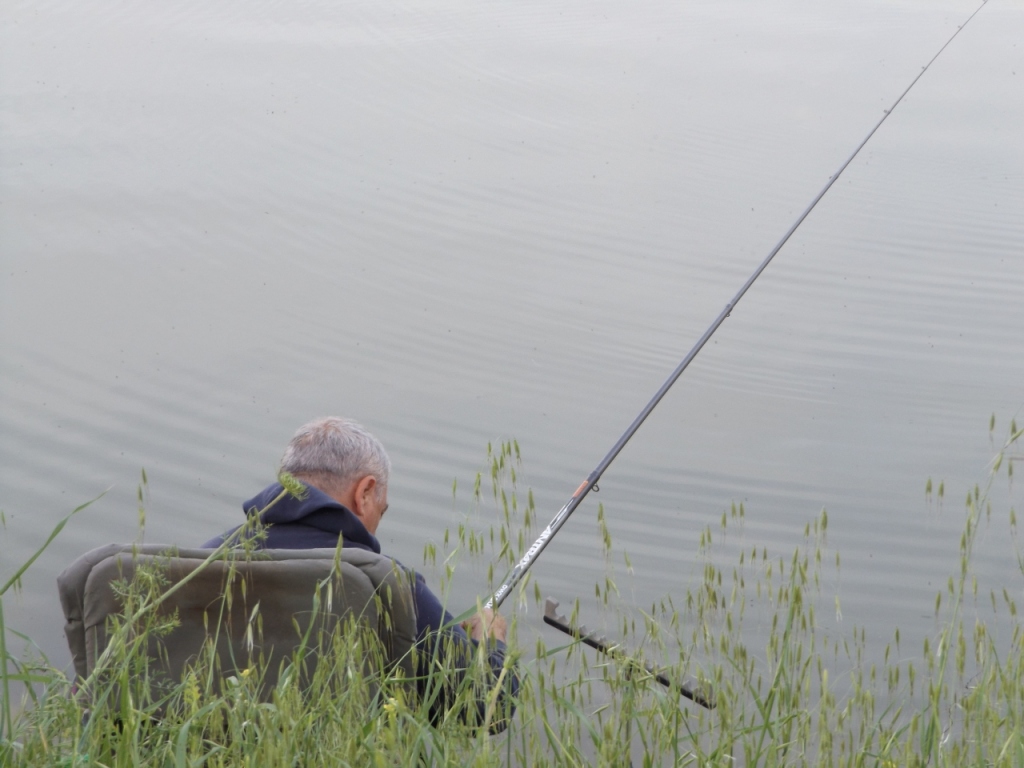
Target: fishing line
580	493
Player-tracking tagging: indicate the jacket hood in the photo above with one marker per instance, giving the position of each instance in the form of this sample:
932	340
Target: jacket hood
316	510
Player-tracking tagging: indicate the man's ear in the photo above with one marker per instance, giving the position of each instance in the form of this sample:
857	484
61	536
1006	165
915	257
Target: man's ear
364	490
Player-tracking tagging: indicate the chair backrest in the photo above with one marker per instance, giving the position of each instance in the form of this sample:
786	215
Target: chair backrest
220	599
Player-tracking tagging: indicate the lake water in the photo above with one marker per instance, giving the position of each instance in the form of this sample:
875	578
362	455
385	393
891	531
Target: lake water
466	222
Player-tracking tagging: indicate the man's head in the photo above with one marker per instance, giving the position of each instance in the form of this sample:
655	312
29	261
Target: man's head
342	459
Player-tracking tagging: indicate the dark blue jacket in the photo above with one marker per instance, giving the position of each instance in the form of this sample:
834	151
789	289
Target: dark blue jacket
317	520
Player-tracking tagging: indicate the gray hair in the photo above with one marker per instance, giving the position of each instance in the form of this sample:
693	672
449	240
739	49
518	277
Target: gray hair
336	453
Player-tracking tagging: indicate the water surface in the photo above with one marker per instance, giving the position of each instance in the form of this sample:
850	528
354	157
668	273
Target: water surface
467	222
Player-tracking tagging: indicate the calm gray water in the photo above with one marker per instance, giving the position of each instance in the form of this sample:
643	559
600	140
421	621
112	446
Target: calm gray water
467	222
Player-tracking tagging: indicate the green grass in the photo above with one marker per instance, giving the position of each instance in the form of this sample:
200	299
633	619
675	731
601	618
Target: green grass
789	690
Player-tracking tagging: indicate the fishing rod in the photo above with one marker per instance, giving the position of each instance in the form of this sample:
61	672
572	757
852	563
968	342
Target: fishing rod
694	691
585	487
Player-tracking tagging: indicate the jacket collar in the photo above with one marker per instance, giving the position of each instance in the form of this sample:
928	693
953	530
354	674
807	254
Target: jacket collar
316	509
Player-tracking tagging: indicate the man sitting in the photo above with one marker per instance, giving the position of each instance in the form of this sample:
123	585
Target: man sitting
345	470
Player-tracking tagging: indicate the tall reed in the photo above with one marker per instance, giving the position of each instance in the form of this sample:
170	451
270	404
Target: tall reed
789	689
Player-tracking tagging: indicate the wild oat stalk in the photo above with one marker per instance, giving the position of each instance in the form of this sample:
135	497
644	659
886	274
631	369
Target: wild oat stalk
791	689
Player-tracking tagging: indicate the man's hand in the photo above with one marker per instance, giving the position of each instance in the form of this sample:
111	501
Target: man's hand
486	623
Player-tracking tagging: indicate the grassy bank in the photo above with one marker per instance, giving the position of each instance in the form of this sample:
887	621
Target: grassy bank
803	696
